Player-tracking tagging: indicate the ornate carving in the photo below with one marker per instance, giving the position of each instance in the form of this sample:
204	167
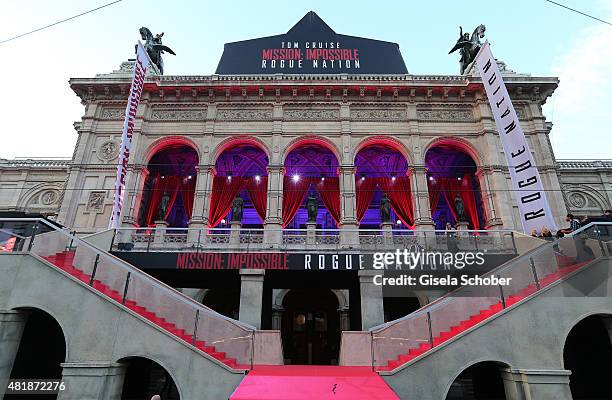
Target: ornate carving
178	115
445	115
108	151
577	200
255	114
49	197
95	202
298	114
377	114
113	113
520	112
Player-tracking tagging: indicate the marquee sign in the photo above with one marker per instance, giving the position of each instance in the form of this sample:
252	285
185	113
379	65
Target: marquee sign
311	47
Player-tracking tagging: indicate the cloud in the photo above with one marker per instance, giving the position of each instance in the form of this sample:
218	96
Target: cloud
581	107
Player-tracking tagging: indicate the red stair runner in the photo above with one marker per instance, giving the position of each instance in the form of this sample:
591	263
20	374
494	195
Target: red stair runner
567	267
64	261
313	382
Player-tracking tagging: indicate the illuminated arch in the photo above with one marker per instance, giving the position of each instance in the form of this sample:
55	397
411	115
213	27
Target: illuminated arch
167	141
308	140
456	143
232	142
386	141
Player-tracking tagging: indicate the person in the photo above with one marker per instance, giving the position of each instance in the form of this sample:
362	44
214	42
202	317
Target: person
546	233
574	224
534	233
608	215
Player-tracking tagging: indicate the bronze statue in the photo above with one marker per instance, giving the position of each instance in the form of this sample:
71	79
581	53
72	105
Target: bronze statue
237	207
468	46
154	47
163	207
460	209
385	209
312	205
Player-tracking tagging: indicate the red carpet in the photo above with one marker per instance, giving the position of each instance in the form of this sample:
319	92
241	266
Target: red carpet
293	382
64	261
567	266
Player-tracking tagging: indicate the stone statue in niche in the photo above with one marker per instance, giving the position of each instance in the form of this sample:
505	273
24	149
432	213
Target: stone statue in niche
460	209
312	205
237	207
385	209
163	207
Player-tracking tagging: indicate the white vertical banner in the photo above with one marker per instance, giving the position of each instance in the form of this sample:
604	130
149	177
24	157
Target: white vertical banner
526	182
141	65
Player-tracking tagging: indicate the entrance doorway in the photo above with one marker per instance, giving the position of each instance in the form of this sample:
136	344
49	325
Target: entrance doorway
310	327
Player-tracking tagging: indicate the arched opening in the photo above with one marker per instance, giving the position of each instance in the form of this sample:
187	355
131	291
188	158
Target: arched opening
397	307
454	191
310	327
381	180
145	378
241	178
41	351
311	190
481	381
587	353
169	187
225	301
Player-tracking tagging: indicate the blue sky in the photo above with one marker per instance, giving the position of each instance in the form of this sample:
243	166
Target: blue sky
38	108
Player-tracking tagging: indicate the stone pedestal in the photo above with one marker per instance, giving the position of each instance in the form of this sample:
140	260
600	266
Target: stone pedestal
273	235
349	235
372	312
11	329
235	227
311	233
251	296
462	228
387	233
160	232
195	234
92	380
544	384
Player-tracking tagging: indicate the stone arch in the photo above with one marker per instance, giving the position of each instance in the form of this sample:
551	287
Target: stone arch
123	358
280	297
312	139
575	322
237	140
26	307
458	143
383	140
37	190
166	141
469	365
575	194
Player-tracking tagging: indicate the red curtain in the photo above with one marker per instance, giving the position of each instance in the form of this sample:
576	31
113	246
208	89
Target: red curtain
329	190
187	194
364	192
465	189
258	192
170	185
434	195
293	196
399	193
224	192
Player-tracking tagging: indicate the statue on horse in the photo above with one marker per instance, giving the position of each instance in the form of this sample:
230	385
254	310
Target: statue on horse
468	46
154	47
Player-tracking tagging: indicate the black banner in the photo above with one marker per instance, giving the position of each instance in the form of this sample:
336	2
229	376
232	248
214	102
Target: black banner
311	47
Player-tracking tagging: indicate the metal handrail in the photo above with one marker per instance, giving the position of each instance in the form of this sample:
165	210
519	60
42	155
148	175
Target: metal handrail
136	271
505	266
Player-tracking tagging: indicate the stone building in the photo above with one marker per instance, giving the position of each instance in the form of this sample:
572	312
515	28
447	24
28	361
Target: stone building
350	139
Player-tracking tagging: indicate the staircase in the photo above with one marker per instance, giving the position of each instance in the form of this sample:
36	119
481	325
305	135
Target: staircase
399	342
65	259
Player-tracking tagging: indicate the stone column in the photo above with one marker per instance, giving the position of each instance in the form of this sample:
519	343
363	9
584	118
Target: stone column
343	312
137	175
251	296
277	317
12	324
92	380
235	228
492	221
540	384
420	196
201	202
273	236
349	226
372	312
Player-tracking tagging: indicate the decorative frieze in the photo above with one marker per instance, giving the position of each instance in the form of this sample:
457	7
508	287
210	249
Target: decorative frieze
178	115
113	113
445	114
95	202
244	114
306	114
108	150
378	114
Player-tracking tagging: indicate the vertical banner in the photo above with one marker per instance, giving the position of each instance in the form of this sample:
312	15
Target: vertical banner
526	182
138	77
